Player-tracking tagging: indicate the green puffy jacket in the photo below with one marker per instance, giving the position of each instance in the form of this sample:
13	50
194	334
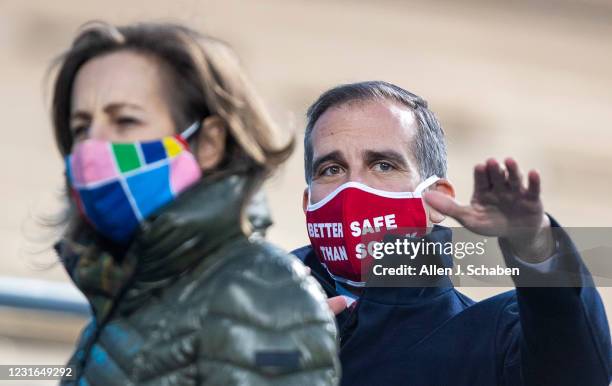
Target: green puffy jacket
194	301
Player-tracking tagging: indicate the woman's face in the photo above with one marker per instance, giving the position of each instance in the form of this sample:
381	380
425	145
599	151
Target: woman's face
119	97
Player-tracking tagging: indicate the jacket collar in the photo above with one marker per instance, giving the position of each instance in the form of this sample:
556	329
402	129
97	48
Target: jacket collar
425	288
168	243
198	222
390	295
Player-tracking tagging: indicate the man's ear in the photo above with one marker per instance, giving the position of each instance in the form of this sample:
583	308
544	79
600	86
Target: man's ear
305	199
211	143
443	186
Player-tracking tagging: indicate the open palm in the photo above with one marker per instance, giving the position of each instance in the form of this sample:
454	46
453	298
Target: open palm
501	204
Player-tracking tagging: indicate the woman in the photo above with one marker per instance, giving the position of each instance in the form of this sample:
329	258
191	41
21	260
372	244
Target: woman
165	143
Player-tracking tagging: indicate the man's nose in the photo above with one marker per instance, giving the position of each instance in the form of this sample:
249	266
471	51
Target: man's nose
356	176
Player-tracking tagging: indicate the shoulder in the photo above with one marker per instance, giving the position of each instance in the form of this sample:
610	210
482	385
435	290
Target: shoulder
267	317
302	253
500	307
265	278
502	315
496	314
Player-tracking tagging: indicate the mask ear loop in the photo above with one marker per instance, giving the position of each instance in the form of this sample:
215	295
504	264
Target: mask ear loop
425	184
309	202
188	132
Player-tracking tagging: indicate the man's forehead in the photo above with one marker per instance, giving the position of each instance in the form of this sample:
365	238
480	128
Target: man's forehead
372	124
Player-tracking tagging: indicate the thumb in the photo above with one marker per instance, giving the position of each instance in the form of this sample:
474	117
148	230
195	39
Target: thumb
337	304
445	204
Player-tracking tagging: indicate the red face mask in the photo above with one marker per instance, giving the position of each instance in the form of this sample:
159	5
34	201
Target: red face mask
344	226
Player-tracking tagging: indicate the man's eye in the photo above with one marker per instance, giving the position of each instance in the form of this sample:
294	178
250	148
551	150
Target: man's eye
383	166
331	170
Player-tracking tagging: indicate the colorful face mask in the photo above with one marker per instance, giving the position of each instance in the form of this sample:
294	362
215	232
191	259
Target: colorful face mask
117	185
344	226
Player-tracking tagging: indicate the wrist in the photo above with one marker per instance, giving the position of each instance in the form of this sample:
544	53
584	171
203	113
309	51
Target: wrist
535	248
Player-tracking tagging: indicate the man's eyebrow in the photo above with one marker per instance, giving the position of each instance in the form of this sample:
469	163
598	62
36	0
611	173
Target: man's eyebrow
331	156
391	155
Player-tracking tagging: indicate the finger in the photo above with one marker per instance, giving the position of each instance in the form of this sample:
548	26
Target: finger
481	179
337	304
515	179
496	175
308	270
533	188
445	205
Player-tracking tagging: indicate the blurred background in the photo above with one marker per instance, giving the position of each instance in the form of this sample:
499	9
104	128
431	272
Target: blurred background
527	78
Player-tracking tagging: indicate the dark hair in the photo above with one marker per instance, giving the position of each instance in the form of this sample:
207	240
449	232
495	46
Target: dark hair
429	145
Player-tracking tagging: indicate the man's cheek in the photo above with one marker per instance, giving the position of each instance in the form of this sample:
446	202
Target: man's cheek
394	181
319	192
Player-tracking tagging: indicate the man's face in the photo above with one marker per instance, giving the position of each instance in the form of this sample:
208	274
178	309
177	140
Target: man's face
367	142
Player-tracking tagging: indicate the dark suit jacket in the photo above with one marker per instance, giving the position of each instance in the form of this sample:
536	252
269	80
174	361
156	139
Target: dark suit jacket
436	336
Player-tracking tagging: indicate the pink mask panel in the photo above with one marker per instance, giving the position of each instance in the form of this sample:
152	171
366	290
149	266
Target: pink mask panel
343	226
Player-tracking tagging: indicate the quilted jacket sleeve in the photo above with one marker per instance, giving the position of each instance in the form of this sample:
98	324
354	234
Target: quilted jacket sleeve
267	324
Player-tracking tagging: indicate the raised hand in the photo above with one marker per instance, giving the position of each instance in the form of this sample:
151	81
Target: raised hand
503	206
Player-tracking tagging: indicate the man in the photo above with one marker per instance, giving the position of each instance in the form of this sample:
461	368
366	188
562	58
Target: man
367	141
